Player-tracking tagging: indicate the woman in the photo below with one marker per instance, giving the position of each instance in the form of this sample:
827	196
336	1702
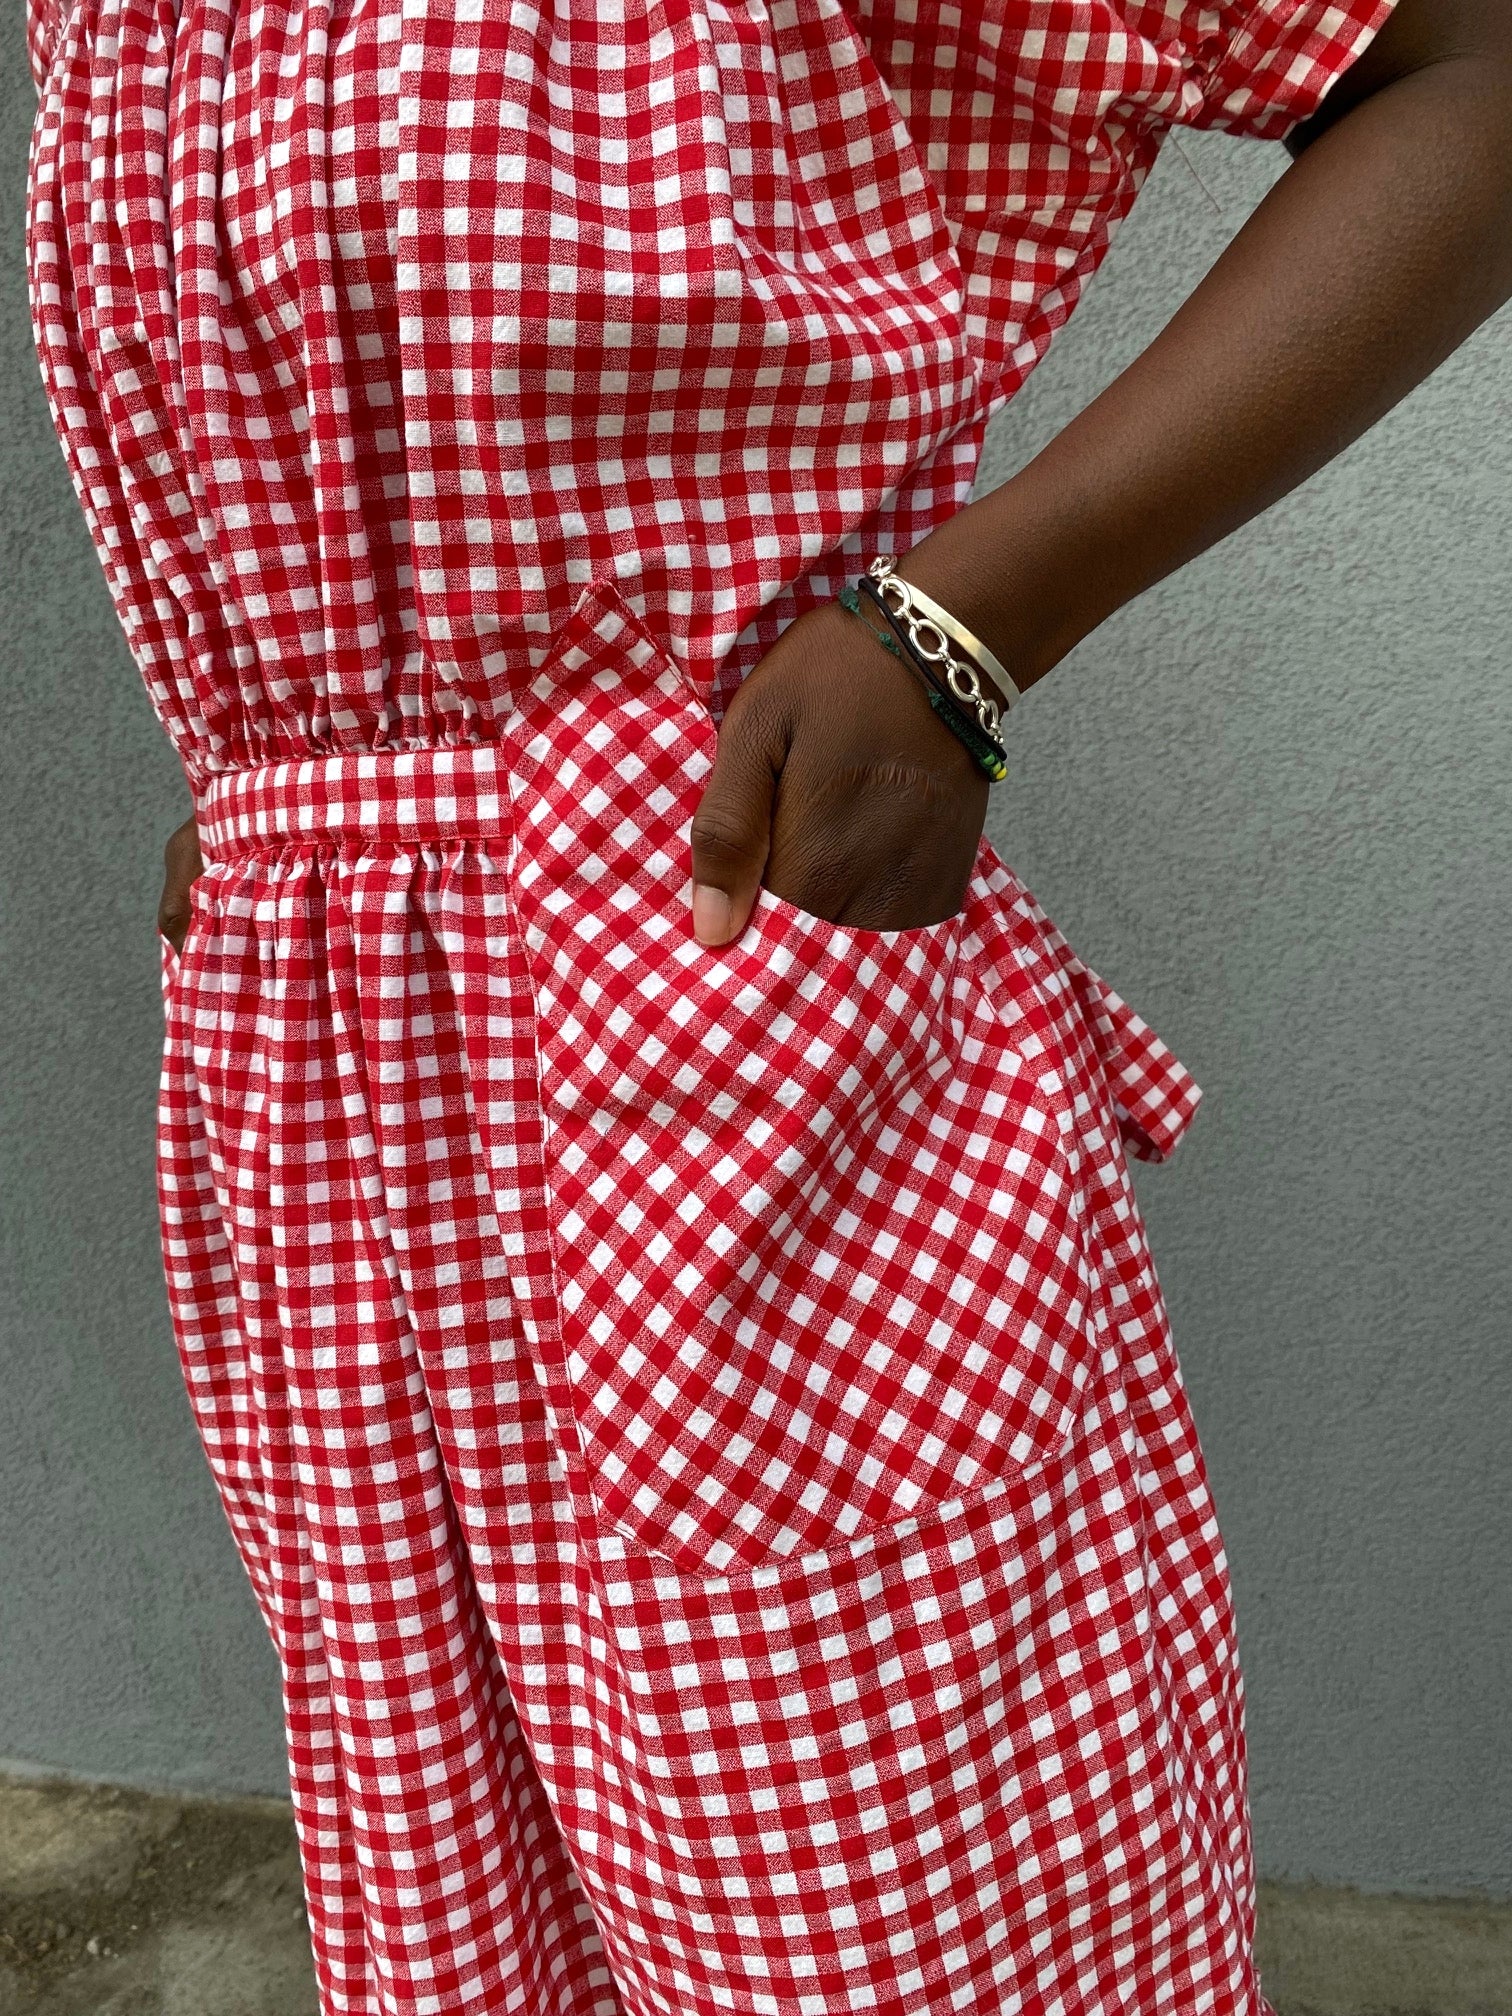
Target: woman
689	1386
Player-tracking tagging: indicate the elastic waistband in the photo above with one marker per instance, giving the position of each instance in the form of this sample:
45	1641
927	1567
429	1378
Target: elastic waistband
397	795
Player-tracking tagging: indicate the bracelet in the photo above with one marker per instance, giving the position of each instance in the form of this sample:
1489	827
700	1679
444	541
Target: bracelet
955	685
986	751
922	613
987	748
930	644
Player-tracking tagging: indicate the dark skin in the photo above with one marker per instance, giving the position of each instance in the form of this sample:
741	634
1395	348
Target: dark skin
1387	242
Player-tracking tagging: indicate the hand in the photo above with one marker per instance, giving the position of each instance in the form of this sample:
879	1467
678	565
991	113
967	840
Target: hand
837	786
181	864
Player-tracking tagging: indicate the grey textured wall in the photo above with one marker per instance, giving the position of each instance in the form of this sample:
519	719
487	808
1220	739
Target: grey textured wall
1270	803
129	1645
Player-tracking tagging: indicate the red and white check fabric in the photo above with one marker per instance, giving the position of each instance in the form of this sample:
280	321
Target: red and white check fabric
701	1426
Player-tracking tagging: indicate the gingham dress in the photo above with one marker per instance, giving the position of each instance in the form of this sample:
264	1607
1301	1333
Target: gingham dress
701	1425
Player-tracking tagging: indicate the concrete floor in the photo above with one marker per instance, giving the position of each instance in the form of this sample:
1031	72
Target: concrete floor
118	1904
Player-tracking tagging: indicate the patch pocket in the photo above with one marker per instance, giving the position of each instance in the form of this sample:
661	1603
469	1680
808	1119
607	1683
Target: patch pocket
819	1248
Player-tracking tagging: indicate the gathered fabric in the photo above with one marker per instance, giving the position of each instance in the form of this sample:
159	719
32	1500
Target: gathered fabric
701	1424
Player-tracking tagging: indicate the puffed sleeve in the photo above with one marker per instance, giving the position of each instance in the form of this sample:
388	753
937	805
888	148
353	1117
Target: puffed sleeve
1255	67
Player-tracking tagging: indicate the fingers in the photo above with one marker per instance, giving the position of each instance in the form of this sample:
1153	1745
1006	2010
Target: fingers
181	864
733	824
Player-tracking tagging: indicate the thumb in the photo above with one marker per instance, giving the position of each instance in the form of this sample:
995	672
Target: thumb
732	827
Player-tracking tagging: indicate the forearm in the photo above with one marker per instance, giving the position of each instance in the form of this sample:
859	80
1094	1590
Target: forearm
1374	256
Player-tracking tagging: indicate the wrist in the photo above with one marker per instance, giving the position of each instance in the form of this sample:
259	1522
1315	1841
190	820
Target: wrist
1008	571
927	642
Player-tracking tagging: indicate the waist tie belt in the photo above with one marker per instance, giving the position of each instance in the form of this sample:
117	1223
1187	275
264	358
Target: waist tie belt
414	795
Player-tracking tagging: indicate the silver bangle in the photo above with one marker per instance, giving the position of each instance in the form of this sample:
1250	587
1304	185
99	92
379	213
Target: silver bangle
921	612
